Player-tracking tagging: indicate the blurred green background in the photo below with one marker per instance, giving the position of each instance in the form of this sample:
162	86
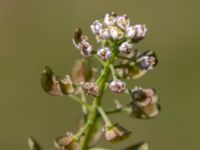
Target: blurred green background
34	33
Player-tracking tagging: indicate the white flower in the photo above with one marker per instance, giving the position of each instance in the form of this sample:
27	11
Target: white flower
104	33
136	32
125	47
116	33
140	30
104	53
123	22
96	26
117	86
130	32
85	48
110	19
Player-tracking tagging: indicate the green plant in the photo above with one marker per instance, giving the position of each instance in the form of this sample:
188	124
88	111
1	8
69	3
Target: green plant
119	60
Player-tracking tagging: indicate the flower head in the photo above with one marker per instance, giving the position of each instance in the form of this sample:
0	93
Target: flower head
104	53
104	33
117	86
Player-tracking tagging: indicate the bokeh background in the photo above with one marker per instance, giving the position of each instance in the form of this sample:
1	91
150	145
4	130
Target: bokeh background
34	33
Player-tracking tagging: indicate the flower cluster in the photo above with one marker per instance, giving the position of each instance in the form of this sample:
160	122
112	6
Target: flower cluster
120	60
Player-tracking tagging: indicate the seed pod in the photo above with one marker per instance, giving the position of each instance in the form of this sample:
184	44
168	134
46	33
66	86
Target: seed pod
33	144
66	85
66	142
138	146
82	71
50	82
143	97
148	112
115	133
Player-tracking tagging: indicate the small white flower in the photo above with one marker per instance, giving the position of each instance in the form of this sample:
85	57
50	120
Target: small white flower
104	33
136	32
125	47
117	86
104	53
110	19
116	33
123	22
96	26
140	30
130	32
85	48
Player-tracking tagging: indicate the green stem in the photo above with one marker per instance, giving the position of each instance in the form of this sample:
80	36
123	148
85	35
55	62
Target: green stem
104	116
93	116
117	110
113	72
84	108
81	101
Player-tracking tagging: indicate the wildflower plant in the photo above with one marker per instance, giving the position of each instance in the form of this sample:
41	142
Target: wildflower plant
120	60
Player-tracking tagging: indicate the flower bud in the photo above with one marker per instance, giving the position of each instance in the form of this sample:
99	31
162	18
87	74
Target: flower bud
66	142
104	53
110	19
104	33
123	22
82	71
91	88
117	86
143	97
136	32
116	33
147	61
66	85
126	47
115	133
96	27
85	48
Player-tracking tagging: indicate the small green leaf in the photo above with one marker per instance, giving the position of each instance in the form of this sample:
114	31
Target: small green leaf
138	146
33	144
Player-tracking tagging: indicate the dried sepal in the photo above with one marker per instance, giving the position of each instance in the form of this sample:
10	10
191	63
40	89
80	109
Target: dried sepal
138	146
115	133
33	144
66	142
